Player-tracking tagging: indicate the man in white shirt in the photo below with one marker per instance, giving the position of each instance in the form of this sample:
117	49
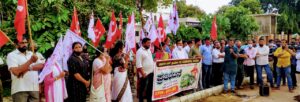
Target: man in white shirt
250	62
145	68
188	47
218	60
23	68
262	61
179	52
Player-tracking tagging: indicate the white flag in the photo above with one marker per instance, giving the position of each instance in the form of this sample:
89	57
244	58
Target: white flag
174	20
148	24
153	33
55	56
69	39
91	32
130	35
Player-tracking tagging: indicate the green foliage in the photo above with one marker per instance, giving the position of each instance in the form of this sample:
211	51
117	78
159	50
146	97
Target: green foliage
223	26
253	5
188	10
241	22
51	18
186	33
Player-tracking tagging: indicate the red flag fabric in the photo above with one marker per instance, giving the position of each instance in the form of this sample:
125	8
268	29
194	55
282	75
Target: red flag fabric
161	31
213	32
19	22
3	39
99	31
119	32
111	35
75	23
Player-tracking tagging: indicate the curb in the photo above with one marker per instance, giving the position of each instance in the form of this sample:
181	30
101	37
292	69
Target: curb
203	93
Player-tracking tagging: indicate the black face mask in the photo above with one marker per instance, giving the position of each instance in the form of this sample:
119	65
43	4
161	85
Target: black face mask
22	49
77	53
261	45
278	45
146	47
85	50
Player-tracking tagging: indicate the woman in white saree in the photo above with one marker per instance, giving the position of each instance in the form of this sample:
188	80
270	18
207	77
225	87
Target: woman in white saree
101	80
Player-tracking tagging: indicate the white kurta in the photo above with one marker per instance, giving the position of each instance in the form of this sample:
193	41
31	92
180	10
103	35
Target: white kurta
118	82
57	91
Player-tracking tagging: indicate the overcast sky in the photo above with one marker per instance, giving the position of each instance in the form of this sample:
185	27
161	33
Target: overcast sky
209	6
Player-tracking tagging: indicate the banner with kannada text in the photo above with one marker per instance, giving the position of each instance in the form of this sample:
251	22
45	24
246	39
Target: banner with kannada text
174	76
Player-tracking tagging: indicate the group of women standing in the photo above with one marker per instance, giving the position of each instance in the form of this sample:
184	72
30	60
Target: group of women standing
101	85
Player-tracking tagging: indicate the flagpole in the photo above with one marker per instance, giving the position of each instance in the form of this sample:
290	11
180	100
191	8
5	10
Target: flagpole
29	29
8	38
88	43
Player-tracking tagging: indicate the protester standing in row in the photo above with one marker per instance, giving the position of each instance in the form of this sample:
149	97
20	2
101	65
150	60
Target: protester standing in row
121	90
145	67
78	81
250	62
179	52
217	67
230	66
262	61
284	54
240	67
206	52
24	66
101	79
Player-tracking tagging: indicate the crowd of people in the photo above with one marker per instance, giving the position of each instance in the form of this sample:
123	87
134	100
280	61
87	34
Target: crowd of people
109	75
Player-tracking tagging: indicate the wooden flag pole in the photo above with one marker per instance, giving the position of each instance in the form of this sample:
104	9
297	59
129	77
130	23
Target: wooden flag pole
8	38
29	28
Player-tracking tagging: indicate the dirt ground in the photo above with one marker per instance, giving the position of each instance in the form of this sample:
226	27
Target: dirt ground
248	95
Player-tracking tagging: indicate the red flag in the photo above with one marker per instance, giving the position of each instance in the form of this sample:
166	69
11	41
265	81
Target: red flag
111	35
3	39
75	23
213	32
161	31
99	31
119	32
20	19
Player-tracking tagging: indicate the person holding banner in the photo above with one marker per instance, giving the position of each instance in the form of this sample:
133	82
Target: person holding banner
23	66
179	52
206	52
121	90
230	66
145	67
101	82
160	53
78	80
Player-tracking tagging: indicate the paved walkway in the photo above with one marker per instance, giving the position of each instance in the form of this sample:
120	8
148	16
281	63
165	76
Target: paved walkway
248	95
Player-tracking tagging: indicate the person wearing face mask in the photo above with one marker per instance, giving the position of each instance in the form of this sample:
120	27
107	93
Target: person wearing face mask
262	61
145	68
218	60
206	52
284	55
249	62
179	52
78	81
24	66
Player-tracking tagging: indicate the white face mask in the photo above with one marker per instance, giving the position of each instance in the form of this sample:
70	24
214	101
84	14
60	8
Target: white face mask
179	47
250	45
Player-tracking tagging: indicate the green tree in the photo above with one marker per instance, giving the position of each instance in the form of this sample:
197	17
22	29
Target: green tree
223	26
253	5
185	10
51	18
241	22
185	33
